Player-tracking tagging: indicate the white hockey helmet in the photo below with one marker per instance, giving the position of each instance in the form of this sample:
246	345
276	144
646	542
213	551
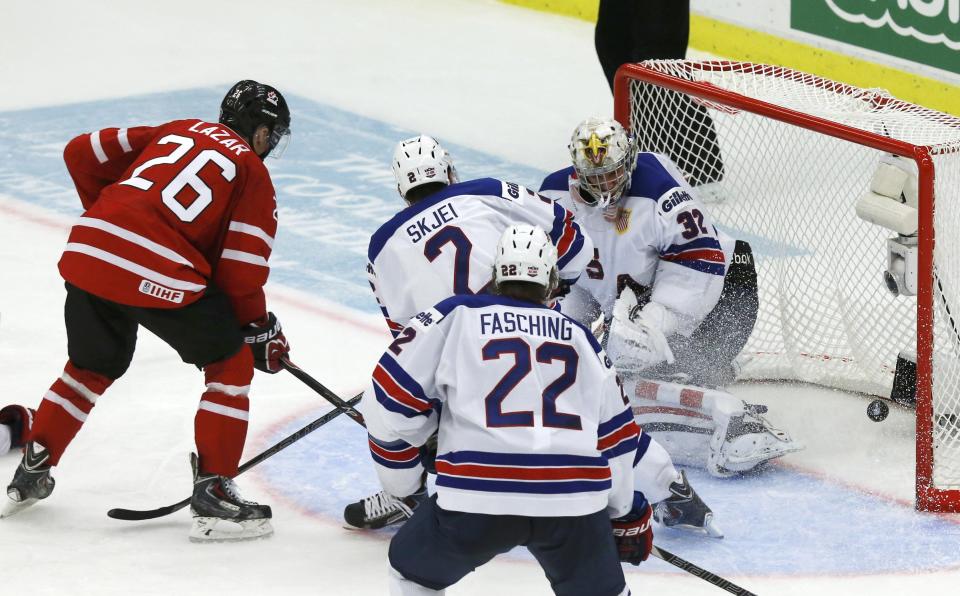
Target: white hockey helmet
604	156
525	253
419	161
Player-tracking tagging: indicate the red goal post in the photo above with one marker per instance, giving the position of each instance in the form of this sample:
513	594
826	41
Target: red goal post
782	157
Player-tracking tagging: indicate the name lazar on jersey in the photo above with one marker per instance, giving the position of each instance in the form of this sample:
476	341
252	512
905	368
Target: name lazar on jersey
222	136
533	323
431	222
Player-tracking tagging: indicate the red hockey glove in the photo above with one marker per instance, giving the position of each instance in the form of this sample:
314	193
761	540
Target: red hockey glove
267	342
20	420
634	534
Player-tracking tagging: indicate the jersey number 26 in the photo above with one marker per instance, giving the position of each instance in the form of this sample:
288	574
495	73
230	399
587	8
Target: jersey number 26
187	176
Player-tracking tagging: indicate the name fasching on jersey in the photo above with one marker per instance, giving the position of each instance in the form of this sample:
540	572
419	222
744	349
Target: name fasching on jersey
532	419
445	244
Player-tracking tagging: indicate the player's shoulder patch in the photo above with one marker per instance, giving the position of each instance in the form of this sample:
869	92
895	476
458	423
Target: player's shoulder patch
515	192
674	200
426	319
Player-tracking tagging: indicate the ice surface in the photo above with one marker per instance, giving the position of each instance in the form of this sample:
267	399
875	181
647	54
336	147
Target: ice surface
504	87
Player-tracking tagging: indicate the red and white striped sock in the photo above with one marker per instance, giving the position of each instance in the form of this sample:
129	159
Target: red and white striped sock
221	422
65	408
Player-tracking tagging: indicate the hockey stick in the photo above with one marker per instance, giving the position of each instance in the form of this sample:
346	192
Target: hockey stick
701	573
655	551
137	515
328	395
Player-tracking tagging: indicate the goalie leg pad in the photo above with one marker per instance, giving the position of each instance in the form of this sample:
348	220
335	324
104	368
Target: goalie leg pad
741	443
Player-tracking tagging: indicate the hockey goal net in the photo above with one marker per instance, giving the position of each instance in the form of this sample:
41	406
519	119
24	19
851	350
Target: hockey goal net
781	157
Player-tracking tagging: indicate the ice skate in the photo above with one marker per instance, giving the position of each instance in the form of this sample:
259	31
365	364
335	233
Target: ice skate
220	514
685	510
380	510
31	482
749	441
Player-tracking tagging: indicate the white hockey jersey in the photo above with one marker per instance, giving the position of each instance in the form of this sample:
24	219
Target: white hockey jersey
444	245
663	242
532	420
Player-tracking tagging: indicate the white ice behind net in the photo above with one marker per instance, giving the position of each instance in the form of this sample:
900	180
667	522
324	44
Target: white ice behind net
825	315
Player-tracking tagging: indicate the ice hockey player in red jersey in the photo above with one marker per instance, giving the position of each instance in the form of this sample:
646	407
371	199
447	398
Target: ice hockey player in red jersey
178	226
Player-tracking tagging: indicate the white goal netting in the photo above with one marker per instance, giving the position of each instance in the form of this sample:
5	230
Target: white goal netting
789	188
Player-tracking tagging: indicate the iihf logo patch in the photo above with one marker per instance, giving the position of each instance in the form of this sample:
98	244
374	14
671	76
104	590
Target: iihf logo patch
272	97
532	271
157	291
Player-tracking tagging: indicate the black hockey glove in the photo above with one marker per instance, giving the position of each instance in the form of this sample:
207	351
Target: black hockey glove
633	532
267	342
428	454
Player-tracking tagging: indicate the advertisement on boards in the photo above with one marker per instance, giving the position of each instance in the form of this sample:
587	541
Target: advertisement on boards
923	31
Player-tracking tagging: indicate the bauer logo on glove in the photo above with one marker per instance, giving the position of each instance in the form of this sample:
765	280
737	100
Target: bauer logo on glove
268	343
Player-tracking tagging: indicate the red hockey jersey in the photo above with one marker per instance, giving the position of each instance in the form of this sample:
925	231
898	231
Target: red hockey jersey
168	210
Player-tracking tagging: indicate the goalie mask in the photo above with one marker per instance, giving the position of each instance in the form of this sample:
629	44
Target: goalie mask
604	156
525	253
421	160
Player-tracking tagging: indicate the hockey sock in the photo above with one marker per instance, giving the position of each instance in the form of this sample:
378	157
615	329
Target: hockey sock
221	422
65	408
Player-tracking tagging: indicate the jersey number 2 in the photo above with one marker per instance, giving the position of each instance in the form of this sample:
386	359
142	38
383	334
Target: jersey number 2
546	354
187	176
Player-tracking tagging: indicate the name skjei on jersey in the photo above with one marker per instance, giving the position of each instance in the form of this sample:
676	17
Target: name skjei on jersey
440	216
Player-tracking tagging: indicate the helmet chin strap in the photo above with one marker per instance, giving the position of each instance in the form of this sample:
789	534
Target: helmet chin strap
611	212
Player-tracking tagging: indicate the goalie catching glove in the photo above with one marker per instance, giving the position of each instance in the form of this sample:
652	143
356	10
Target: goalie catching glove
633	532
268	343
637	336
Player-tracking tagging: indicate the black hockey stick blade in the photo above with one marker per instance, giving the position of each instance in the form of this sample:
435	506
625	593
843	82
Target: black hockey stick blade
138	515
703	574
325	393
